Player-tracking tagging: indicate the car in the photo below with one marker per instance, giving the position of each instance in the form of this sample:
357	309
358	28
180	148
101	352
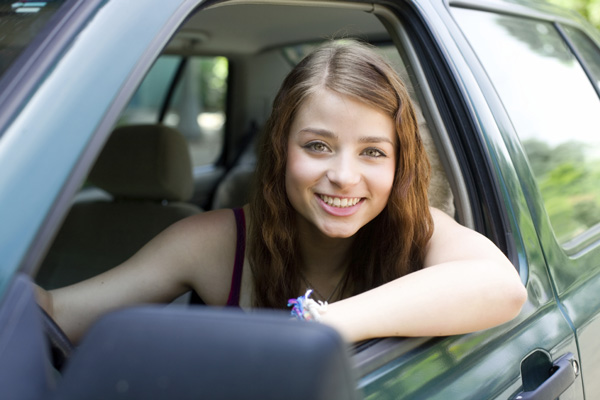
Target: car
102	99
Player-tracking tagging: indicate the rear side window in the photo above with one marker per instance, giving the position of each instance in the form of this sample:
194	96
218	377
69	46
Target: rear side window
189	94
588	50
553	106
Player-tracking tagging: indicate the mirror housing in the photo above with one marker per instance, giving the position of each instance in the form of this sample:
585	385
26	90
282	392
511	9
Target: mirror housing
197	352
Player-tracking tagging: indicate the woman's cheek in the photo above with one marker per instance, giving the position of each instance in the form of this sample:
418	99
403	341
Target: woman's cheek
382	180
303	169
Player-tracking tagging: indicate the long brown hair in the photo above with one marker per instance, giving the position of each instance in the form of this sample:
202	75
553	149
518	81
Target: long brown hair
392	244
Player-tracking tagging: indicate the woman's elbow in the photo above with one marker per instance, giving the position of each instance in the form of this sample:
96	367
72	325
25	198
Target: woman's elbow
509	293
518	297
514	296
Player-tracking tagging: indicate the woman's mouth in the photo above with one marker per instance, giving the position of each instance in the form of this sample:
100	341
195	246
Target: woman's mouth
339	206
341	202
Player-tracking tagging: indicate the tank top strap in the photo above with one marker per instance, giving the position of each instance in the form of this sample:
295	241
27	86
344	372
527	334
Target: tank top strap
240	255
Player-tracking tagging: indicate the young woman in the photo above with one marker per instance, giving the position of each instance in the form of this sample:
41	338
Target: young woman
340	207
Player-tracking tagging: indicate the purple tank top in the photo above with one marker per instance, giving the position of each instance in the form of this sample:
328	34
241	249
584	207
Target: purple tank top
238	265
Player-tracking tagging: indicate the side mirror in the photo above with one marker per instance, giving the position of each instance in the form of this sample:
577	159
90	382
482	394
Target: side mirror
193	353
25	368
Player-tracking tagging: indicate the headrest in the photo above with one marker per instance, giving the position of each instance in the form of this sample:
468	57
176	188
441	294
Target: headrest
149	162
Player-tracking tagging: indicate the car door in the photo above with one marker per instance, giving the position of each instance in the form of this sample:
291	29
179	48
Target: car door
558	80
516	357
497	363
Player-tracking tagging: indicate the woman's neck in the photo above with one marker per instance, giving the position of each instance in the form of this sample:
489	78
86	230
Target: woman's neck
323	260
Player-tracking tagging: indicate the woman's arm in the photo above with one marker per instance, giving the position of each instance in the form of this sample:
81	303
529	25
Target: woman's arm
467	285
196	252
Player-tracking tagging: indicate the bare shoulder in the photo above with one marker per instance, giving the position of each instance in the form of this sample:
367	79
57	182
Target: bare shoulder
198	235
202	249
215	226
453	242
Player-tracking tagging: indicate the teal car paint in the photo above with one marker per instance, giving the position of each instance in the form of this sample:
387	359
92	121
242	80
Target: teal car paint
68	88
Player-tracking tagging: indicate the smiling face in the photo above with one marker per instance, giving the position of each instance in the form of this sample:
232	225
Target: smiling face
341	163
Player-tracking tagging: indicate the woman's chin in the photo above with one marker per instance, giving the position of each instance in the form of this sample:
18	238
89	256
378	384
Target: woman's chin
338	233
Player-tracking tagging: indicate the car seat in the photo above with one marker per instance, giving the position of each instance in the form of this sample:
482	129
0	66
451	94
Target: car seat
147	171
234	189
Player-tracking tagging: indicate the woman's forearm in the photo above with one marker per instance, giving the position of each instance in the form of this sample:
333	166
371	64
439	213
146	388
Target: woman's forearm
446	299
44	299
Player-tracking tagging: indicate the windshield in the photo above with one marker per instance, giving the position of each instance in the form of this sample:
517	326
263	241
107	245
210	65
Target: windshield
20	23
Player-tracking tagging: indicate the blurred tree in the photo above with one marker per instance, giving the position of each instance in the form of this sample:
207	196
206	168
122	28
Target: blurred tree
590	9
568	181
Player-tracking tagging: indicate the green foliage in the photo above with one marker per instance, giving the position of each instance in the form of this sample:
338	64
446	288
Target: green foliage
568	182
212	74
589	9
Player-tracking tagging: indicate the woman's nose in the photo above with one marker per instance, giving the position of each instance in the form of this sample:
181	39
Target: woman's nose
343	171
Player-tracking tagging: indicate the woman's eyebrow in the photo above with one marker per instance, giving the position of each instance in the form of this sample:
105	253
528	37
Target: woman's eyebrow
330	135
320	132
375	139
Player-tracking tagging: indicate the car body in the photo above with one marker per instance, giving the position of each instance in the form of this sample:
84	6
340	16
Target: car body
74	70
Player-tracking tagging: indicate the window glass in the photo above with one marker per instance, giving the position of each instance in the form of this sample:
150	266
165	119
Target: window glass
553	107
145	105
587	49
20	23
197	107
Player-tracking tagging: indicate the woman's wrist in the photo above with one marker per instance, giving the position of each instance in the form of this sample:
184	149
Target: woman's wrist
342	316
306	309
339	315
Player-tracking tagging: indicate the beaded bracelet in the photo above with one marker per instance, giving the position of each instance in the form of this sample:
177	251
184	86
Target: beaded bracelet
306	309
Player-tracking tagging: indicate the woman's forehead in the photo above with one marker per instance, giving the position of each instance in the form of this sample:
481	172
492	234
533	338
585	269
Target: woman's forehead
332	114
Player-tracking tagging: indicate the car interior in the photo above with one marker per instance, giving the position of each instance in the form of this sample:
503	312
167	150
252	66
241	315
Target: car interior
185	142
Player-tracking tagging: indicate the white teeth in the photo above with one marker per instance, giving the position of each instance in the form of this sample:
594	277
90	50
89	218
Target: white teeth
340	202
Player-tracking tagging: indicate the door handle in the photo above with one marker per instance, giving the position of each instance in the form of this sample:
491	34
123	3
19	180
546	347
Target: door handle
562	375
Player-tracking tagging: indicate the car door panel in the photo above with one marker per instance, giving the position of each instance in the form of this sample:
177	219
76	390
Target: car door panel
479	365
582	305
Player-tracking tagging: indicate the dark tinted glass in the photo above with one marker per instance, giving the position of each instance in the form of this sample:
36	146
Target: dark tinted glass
20	23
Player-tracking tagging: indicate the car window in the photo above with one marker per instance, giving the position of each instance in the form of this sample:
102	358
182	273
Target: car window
553	107
195	105
20	23
587	49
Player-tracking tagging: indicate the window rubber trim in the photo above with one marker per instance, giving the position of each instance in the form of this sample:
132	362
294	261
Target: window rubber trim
577	54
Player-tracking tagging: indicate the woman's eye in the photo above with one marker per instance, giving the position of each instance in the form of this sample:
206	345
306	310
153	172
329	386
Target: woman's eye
317	147
371	152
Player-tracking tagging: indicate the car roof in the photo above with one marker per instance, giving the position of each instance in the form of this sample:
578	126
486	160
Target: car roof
227	30
249	27
534	8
